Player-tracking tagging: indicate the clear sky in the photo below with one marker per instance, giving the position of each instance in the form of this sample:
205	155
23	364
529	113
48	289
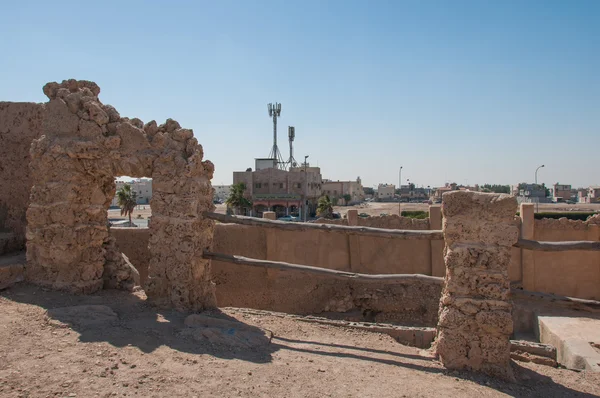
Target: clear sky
454	91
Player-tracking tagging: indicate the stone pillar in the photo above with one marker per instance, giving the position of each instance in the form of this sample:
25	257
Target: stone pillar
181	191
527	212
352	217
438	268
66	218
475	320
269	215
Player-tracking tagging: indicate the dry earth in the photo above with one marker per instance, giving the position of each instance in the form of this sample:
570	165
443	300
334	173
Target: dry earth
142	352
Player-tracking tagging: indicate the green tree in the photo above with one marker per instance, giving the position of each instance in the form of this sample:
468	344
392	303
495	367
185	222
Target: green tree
127	200
236	199
368	191
496	188
324	207
347	198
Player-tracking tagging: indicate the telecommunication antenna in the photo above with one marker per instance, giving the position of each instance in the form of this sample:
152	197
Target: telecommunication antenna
291	136
275	112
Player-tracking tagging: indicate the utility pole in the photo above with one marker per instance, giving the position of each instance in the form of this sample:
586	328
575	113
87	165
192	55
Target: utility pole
305	189
400	189
537	204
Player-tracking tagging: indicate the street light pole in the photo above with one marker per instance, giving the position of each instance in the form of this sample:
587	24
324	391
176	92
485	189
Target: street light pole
537	205
400	189
305	189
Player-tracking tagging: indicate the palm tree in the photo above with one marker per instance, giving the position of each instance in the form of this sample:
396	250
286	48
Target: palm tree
127	200
324	207
236	199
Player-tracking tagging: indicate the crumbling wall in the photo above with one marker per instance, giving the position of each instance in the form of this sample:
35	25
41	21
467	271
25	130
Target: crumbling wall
475	322
20	123
84	145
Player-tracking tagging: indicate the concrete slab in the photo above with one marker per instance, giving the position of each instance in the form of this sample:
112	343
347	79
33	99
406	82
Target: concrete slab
575	336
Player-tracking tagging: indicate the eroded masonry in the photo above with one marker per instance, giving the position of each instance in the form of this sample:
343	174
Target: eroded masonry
84	145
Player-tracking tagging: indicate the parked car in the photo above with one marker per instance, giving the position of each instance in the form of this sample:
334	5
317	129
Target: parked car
288	218
364	215
337	215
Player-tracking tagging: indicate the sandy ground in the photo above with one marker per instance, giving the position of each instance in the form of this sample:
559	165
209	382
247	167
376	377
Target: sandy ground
378	208
144	354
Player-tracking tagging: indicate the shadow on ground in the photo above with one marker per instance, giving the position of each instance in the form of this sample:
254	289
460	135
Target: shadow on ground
529	383
140	325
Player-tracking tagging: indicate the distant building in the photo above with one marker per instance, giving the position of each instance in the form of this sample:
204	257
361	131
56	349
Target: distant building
142	187
591	196
284	192
221	192
530	193
337	191
386	192
561	192
410	193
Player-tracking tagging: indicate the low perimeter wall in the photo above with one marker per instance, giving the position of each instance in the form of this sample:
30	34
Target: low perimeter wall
572	273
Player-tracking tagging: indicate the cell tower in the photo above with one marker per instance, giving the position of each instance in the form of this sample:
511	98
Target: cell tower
291	136
275	112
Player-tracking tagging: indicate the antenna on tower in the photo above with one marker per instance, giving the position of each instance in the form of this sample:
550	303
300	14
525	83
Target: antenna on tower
291	135
275	112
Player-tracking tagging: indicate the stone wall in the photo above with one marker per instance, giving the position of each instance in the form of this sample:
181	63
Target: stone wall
20	123
84	146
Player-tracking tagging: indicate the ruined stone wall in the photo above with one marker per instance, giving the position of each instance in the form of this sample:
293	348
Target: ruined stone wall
475	322
84	145
20	123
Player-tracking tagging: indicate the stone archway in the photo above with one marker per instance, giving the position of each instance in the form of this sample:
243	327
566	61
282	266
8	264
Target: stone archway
84	146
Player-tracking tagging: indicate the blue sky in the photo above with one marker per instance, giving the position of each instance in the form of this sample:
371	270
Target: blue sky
464	91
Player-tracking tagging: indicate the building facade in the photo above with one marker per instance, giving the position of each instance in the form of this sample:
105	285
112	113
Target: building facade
561	192
344	192
281	191
590	195
386	192
221	192
142	187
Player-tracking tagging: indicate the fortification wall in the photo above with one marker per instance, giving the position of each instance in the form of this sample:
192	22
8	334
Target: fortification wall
20	124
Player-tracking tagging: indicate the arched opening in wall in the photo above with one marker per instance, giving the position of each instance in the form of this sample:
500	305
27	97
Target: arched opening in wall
294	211
129	217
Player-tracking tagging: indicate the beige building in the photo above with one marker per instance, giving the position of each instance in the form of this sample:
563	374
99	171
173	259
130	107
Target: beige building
592	195
339	191
561	192
283	192
142	187
386	192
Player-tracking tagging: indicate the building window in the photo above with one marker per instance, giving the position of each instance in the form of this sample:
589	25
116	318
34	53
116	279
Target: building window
299	185
281	185
257	185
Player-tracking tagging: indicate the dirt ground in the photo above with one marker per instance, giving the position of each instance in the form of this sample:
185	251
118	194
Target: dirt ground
144	353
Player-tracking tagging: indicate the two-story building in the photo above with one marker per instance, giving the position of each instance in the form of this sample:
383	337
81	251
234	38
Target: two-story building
591	195
281	191
386	192
340	191
561	192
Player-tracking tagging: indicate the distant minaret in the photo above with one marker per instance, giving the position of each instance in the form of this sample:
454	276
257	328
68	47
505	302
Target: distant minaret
275	112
